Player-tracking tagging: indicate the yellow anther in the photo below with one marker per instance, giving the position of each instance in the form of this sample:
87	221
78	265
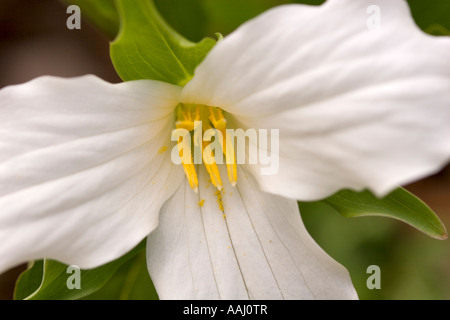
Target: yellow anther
189	170
188	165
219	122
230	160
211	167
185	121
232	174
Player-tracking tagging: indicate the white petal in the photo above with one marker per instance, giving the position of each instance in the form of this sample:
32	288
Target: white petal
356	107
258	250
82	172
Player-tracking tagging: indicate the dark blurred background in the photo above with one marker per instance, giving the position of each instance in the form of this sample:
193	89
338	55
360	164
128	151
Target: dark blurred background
34	41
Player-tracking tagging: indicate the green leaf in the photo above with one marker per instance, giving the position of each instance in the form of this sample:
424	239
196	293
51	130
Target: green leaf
437	30
29	280
188	18
224	16
432	16
131	282
148	48
399	204
54	276
102	13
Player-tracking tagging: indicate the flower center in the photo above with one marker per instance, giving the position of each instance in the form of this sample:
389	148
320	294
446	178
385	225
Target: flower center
206	123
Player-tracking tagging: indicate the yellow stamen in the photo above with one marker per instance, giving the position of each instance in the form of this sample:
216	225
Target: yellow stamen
212	168
230	160
219	122
210	117
185	119
189	170
188	166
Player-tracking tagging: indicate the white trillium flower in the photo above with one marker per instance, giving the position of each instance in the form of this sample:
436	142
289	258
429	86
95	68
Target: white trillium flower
85	173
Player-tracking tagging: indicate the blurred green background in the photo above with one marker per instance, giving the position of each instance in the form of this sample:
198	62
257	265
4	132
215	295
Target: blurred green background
34	41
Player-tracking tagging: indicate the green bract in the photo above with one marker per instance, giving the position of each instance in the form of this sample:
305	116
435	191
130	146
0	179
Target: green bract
399	204
147	48
47	279
431	17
